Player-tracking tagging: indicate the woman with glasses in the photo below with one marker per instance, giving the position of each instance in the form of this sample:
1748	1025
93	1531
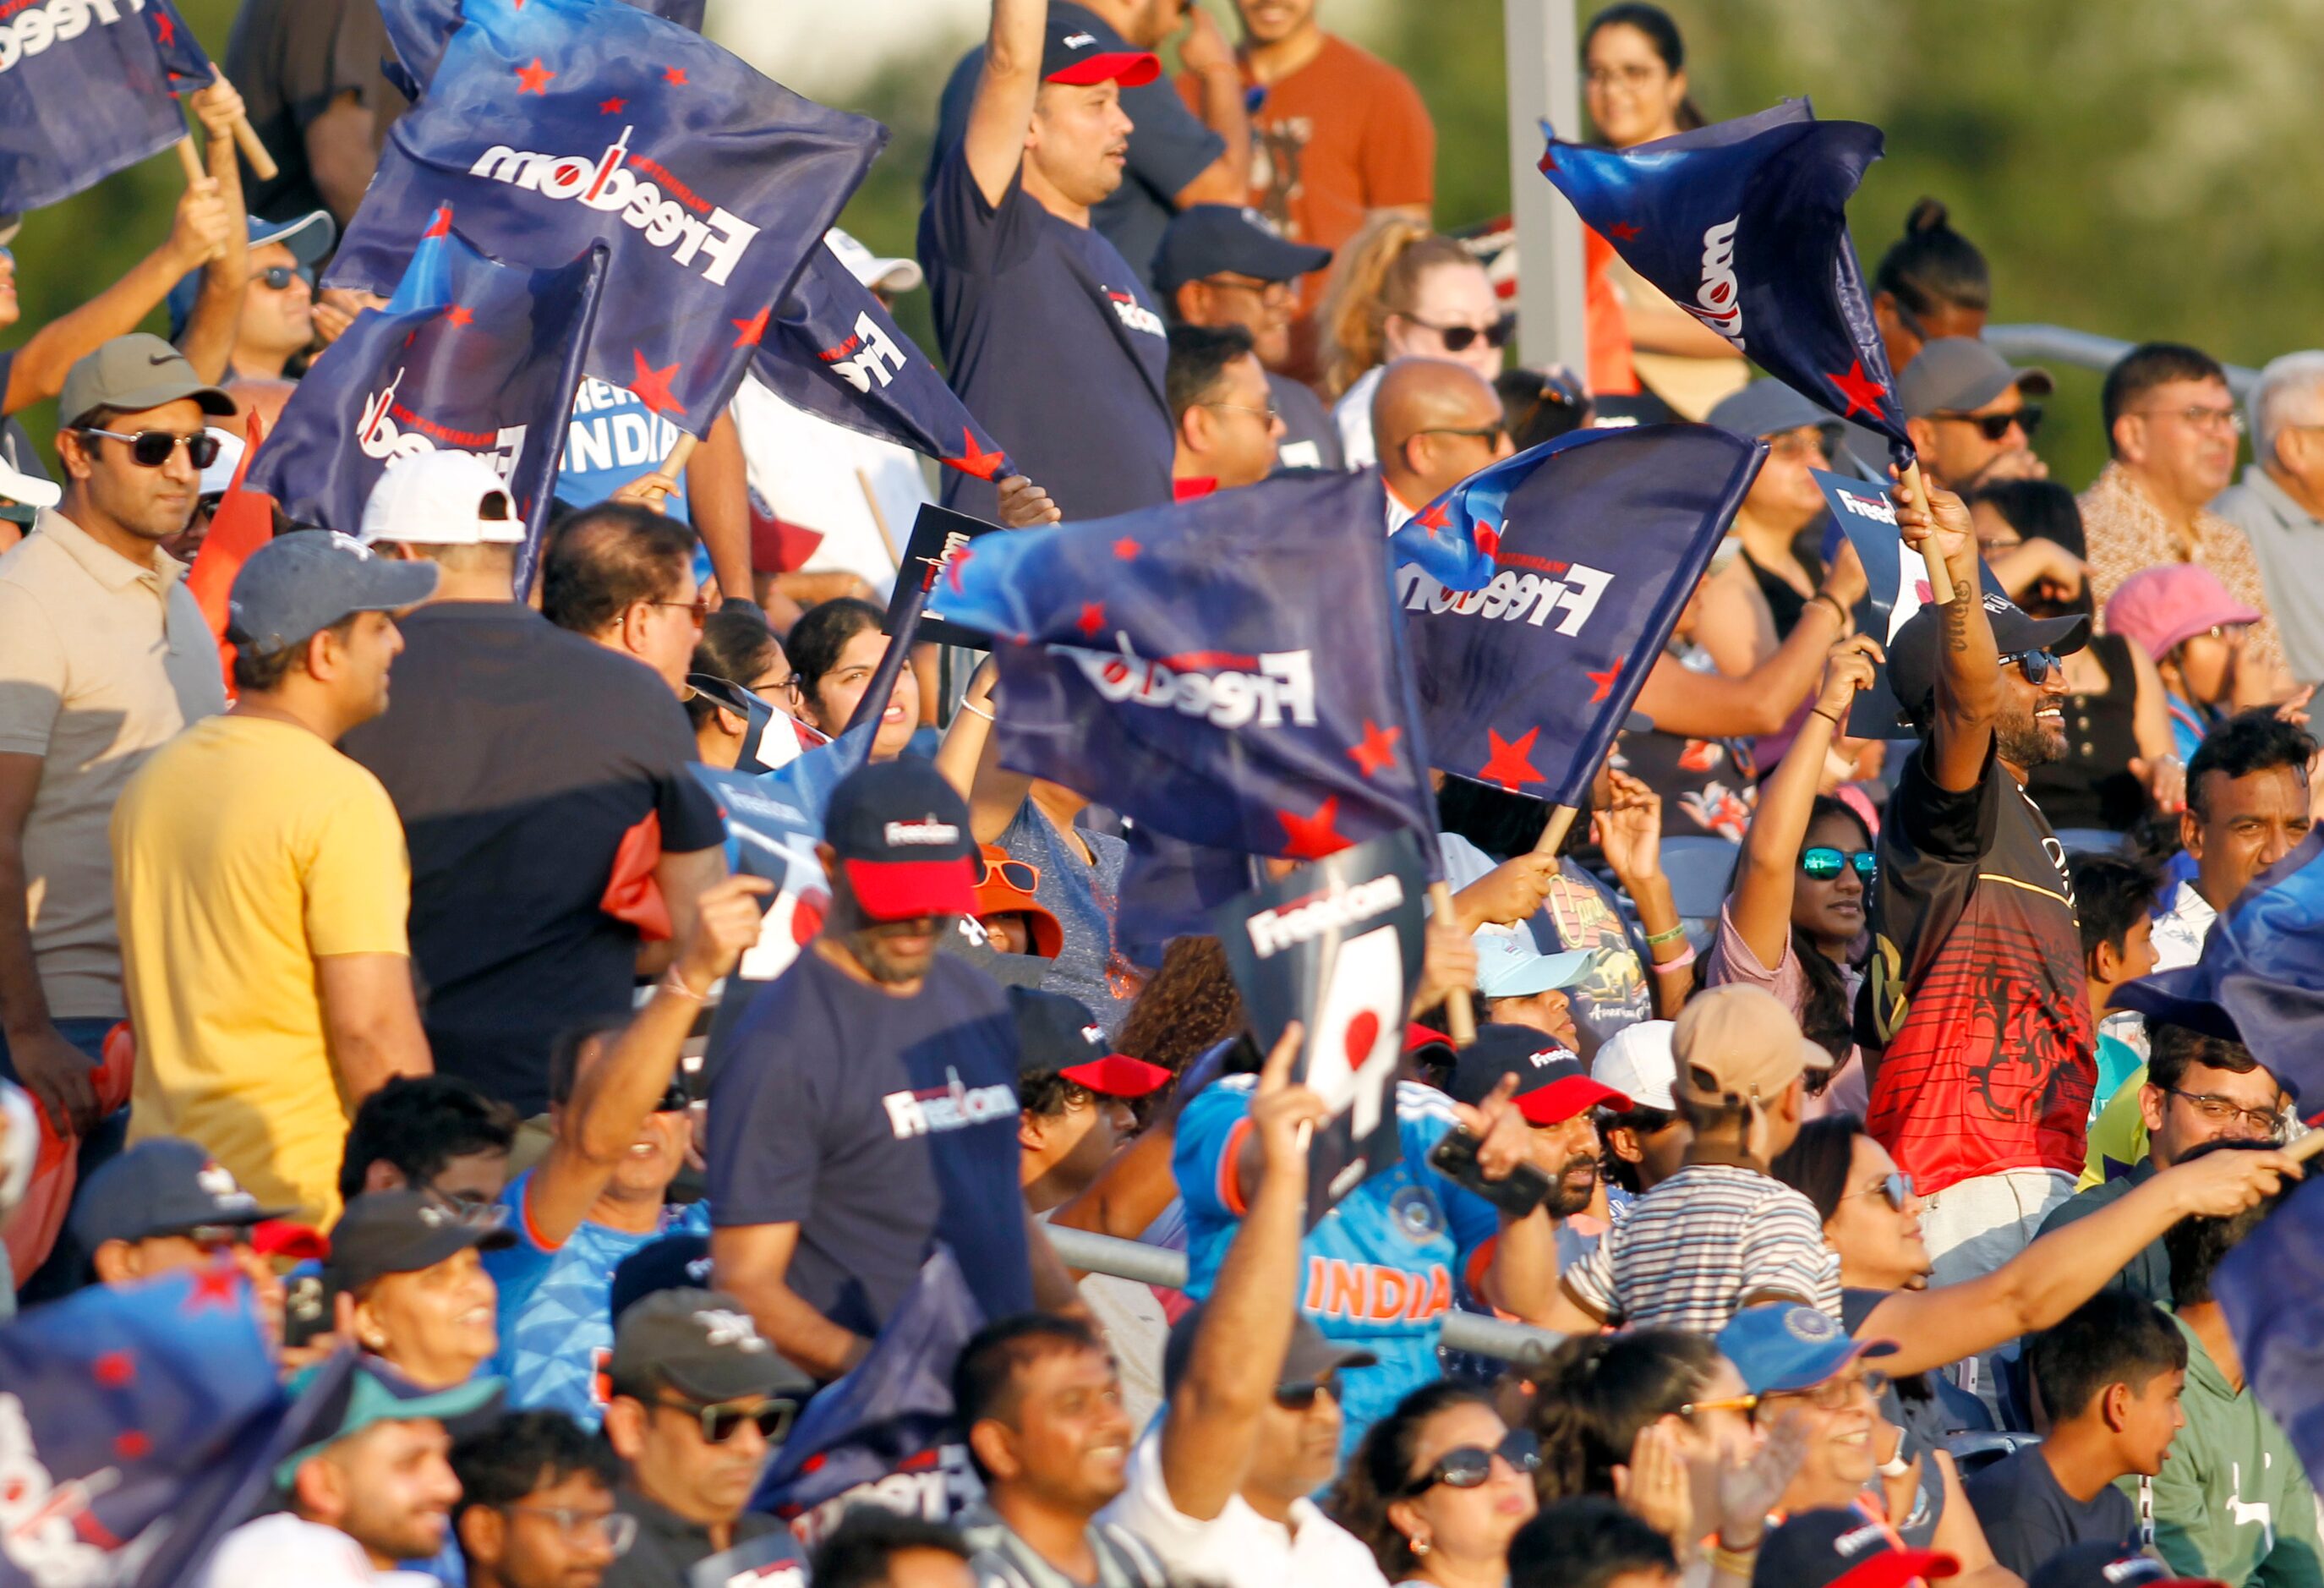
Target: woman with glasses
1399	290
1794	922
1439	1487
736	648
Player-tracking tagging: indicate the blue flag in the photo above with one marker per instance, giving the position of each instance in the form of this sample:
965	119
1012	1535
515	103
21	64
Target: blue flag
574	122
183	59
2271	1289
835	353
470	353
1603	536
84	92
1744	225
138	1425
1224	670
418	29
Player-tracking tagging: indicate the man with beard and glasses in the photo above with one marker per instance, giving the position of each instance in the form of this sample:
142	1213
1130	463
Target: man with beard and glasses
865	1103
1976	1028
1556	1097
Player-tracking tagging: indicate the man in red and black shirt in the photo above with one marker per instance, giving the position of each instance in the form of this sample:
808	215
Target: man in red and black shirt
1976	1004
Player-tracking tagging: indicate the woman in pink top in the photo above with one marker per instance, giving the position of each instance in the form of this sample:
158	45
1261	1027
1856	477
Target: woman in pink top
1795	923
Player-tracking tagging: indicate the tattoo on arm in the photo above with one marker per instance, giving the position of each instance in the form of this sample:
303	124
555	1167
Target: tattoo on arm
1956	620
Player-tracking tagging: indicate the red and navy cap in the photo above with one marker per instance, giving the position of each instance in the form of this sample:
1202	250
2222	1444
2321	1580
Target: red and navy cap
1057	1036
1843	1550
1079	55
2108	1563
902	836
1552	1085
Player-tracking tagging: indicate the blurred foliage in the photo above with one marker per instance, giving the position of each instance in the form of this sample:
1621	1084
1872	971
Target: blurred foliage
2141	168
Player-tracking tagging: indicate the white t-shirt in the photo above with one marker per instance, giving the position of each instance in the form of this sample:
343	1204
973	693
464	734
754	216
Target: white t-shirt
1238	1548
281	1551
804	471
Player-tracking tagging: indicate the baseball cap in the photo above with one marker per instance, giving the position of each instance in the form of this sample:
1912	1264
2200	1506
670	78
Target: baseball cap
1003	892
162	1186
1310	1357
1953	374
1915	652
382	1233
218	478
1637	1062
300	583
872	270
441	498
1768	406
1781	1345
372	1392
1737	1044
902	836
2161	607
1553	1086
2107	1563
309	239
1509	966
1205	239
28	494
1843	1548
132	374
1057	1035
701	1343
1073	55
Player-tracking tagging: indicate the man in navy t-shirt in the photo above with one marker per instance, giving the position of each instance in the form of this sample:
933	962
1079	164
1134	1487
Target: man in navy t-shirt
865	1103
1049	338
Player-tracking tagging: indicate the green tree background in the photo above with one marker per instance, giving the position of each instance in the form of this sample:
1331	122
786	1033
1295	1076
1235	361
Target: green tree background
2137	168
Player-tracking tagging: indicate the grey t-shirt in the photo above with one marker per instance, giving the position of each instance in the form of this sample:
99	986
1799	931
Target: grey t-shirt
1083	897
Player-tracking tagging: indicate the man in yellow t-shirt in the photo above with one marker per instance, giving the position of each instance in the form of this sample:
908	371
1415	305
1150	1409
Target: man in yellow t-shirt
261	886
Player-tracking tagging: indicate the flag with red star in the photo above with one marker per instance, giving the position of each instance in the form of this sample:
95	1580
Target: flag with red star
1603	535
138	1425
470	354
1744	225
1227	670
418	30
88	91
182	56
834	351
560	124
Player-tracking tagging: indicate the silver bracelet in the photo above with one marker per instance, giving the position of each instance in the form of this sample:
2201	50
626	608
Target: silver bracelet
973	709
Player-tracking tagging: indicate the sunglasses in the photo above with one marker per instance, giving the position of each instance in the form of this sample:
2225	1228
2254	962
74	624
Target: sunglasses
279	277
1896	1188
1993	427
1302	1397
1020	875
1468	1466
214	1237
2036	665
698	608
722	1419
152	448
675	1098
1461	338
1824	863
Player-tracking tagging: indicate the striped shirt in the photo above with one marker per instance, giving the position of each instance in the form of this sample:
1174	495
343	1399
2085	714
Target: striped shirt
1004	1560
1693	1248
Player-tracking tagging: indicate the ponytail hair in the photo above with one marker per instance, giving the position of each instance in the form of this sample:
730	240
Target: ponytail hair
1377	274
1933	264
1659	31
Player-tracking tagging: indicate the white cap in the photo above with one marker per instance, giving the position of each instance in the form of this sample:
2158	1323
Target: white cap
28	490
218	478
441	498
886	275
1509	966
1637	1061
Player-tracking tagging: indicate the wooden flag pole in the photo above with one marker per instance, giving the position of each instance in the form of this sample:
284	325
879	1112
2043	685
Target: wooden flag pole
245	138
664	480
188	157
878	519
1459	1013
1560	822
1940	578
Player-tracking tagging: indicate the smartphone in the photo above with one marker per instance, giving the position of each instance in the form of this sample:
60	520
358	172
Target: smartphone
1455	1158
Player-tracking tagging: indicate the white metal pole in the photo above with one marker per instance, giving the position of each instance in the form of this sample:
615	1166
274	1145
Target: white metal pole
1544	78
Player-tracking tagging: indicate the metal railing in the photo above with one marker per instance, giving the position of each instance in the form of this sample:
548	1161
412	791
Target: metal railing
2084	350
1156	1265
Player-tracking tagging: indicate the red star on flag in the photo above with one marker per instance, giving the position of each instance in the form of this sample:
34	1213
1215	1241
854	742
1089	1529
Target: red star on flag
459	316
533	78
1312	837
1605	680
132	1445
973	458
1861	391
113	1368
441	227
749	331
1433	519
1510	764
213	1286
1622	231
1488	539
1125	548
164	28
1377	752
612	106
1092	618
676	75
652	386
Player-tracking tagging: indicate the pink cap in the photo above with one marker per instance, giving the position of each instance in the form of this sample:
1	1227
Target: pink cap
2162	606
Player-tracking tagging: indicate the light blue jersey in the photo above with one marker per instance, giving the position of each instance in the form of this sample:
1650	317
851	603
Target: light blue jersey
1379	1271
556	1329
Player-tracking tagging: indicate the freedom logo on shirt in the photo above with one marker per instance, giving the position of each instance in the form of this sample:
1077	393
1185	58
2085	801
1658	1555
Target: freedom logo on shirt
1134	314
953	1106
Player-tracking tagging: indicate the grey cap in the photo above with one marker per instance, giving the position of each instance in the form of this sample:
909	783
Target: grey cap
1768	406
1311	1355
1954	374
134	372
298	585
701	1343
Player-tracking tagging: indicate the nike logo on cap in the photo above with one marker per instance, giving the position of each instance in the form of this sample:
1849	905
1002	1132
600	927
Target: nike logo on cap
159	359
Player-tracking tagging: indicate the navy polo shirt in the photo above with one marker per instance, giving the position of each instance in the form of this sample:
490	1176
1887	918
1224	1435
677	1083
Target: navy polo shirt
1050	341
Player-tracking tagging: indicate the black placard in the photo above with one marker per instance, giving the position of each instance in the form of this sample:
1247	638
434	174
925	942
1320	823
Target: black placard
936	534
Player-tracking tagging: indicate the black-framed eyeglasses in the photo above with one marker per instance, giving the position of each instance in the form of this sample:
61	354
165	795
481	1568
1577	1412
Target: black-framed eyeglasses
214	1237
2036	665
675	1097
1461	338
1993	427
1301	1397
722	1419
152	448
1265	291
1494	433
1022	875
613	1530
1895	1185
1469	1466
1823	863
2220	1110
279	277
